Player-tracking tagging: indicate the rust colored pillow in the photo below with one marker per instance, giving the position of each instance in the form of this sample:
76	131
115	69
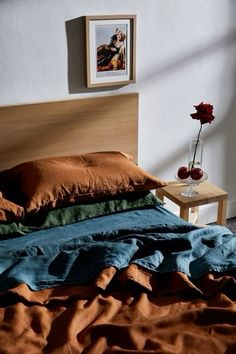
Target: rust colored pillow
53	182
9	211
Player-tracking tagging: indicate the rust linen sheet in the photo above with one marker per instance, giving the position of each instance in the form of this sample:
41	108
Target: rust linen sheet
134	311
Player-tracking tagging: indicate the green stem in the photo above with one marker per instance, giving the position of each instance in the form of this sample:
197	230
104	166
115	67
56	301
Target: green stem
195	151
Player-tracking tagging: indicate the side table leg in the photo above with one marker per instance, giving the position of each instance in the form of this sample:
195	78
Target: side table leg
184	213
221	212
194	213
159	194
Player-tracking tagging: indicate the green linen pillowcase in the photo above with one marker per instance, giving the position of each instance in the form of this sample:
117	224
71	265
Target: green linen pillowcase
78	212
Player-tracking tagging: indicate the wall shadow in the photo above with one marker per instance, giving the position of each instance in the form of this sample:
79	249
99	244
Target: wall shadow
180	63
227	126
76	52
227	129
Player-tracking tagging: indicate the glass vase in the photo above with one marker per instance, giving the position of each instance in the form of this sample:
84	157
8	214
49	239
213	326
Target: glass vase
195	153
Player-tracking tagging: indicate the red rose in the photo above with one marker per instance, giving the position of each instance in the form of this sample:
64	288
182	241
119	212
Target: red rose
204	113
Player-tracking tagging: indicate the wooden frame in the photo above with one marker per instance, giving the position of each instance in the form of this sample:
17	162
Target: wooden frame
60	128
110	50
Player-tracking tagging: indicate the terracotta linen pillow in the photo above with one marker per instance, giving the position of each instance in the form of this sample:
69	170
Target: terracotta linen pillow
58	181
10	211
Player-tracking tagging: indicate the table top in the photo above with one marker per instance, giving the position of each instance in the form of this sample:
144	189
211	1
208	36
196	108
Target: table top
208	193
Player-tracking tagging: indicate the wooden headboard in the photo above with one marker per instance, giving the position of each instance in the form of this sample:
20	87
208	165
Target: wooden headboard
39	130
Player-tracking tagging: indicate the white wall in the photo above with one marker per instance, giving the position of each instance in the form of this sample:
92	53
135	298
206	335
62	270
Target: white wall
186	51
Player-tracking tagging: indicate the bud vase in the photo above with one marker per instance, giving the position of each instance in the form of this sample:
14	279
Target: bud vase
195	153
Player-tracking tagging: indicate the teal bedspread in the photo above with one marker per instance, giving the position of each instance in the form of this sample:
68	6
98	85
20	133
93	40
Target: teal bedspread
151	237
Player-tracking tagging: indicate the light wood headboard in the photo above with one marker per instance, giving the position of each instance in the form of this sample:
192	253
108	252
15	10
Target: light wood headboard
39	130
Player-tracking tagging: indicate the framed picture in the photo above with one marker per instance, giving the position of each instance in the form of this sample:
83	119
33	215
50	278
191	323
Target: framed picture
110	50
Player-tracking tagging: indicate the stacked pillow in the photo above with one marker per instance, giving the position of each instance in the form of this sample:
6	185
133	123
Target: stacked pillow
9	211
59	181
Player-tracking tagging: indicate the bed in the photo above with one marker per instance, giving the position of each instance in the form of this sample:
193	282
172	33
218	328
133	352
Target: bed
91	260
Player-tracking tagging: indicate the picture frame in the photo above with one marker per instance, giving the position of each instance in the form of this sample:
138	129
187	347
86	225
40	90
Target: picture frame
110	50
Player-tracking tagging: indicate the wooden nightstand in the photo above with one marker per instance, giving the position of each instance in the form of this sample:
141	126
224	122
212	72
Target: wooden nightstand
208	193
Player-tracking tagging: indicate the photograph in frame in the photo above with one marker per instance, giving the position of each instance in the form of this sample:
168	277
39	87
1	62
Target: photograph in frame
110	49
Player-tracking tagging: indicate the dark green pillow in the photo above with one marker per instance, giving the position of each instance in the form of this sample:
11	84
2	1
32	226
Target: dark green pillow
77	212
83	211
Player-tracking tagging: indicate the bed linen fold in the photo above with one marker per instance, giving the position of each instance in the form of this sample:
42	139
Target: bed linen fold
153	238
181	316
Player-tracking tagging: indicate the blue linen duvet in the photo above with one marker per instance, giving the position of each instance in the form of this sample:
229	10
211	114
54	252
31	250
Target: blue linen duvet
153	238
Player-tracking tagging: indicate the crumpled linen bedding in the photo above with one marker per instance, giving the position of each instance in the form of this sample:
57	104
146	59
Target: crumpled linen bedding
140	281
116	313
151	238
